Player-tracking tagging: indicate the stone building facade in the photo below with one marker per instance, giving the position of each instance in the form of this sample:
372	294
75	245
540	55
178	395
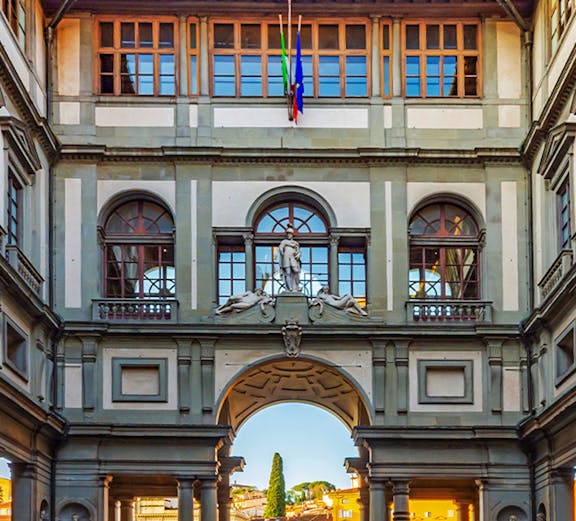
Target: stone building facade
150	170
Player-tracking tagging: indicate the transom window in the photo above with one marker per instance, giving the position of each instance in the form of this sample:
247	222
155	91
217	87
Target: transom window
246	58
137	57
139	252
441	59
444	253
15	12
13	210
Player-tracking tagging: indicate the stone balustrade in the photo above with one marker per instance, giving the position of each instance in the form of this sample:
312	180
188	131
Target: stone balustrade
123	310
556	273
24	268
449	311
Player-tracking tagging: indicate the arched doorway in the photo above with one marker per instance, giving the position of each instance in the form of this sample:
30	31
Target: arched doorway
280	380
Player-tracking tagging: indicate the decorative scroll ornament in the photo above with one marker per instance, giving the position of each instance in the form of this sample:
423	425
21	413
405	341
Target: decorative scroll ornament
292	335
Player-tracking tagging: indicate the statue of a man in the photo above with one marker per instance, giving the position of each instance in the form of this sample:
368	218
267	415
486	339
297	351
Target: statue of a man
290	261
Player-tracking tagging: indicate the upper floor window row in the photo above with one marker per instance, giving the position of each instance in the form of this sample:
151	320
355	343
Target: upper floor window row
15	12
438	59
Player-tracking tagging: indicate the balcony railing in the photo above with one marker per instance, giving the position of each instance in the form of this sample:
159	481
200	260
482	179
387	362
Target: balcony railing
124	310
555	274
24	268
449	311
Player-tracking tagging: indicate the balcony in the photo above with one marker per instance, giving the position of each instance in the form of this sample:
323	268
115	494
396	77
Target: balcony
449	311
560	267
135	310
24	268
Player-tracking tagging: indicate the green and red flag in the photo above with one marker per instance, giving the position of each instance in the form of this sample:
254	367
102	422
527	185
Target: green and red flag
284	59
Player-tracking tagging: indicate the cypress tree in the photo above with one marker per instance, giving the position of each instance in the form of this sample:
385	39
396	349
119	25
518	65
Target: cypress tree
276	495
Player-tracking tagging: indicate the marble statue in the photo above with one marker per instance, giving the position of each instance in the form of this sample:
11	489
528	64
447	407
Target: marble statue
43	515
245	301
344	303
290	261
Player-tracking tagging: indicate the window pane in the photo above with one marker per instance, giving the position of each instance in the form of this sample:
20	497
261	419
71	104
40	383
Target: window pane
328	37
107	63
386	37
145	34
107	84
128	70
250	36
275	81
193	75
274	35
471	76
450	78
106	34
412	76
412	37
329	75
386	74
470	37
193	30
432	37
146	64
167	75
166	36
308	77
355	37
450	41
223	36
224	76
356	76
146	85
127	35
251	76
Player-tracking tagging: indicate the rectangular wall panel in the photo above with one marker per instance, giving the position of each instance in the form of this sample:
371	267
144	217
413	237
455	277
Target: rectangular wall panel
73	243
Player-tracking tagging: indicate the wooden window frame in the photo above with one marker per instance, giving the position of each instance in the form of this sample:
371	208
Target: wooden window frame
10	8
229	248
561	12
443	241
562	209
193	51
386	53
460	52
140	239
117	51
16	184
264	52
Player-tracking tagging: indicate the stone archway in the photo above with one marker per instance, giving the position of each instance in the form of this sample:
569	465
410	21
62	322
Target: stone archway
293	380
283	380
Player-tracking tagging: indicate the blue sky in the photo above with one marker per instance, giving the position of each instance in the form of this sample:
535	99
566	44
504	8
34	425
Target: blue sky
312	442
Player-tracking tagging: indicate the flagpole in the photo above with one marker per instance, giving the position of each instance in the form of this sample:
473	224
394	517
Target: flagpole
289	41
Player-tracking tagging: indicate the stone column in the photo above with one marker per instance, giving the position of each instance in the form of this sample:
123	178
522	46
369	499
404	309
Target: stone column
117	510
462	509
378	501
126	509
333	275
401	493
364	502
249	261
561	494
104	496
185	499
208	501
23	491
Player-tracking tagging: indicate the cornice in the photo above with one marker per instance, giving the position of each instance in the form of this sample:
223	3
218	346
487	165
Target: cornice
556	102
365	157
19	95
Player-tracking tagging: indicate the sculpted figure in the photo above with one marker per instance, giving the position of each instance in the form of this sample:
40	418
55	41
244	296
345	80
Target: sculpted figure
245	301
345	302
290	261
43	515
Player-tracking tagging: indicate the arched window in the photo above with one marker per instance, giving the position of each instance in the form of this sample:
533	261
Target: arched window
444	253
310	230
139	252
330	256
